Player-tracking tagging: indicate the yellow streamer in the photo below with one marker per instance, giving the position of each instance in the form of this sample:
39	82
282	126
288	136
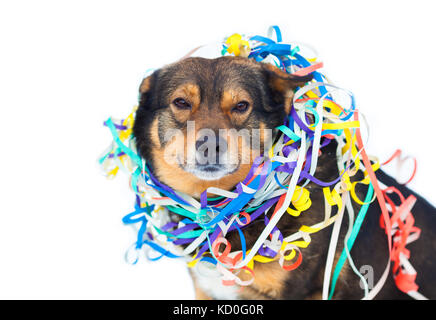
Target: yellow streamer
237	46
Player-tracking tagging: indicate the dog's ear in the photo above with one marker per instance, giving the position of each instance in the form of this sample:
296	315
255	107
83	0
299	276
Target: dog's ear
283	84
147	87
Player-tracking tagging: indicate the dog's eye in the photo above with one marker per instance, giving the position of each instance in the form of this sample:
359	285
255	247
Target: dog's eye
242	106
182	103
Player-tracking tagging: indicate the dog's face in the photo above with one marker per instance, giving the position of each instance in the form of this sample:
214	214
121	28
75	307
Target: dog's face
201	122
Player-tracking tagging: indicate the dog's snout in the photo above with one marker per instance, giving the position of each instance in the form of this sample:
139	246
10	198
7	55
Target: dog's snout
210	149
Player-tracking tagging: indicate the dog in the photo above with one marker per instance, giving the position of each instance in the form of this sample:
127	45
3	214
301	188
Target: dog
239	93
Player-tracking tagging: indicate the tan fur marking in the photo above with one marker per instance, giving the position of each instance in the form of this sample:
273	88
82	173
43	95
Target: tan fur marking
193	91
145	85
262	133
154	133
230	99
189	92
288	101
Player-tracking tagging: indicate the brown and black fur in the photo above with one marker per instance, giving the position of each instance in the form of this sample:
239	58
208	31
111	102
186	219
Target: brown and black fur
213	86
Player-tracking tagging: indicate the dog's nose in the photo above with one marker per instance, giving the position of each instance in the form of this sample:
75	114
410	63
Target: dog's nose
210	150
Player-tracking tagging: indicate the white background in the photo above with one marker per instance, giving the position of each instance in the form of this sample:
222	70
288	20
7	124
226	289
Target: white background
65	66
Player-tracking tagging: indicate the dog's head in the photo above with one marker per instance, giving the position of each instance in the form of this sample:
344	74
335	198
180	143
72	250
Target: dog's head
201	122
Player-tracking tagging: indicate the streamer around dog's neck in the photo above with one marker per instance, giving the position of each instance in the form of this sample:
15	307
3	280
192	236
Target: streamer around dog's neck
276	182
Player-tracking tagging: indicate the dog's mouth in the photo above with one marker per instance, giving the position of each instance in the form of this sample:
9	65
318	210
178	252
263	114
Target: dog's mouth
210	171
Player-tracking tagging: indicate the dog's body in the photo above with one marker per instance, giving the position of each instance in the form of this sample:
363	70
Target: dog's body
238	93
